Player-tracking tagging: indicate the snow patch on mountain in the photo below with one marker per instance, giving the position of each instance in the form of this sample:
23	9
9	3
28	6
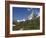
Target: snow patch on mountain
21	20
30	16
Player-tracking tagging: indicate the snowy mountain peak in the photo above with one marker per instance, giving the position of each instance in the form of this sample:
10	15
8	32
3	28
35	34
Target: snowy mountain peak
21	20
30	16
33	15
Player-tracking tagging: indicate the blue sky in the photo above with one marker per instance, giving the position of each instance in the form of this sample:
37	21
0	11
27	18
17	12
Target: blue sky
21	13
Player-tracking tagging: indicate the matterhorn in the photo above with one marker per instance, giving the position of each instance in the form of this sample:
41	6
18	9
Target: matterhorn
31	16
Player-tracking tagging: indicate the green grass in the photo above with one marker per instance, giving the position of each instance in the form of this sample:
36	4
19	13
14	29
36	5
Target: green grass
33	24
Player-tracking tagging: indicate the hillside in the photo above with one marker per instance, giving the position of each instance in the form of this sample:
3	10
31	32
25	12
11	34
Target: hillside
28	24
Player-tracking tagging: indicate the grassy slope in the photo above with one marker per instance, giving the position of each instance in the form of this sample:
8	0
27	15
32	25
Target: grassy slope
28	25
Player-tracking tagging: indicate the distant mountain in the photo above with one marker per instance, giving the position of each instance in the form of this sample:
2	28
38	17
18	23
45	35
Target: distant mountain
31	16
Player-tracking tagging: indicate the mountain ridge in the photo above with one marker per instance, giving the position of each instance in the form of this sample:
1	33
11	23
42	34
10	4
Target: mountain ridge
31	16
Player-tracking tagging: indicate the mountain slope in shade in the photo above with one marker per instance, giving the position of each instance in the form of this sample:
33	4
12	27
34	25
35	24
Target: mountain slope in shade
38	15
